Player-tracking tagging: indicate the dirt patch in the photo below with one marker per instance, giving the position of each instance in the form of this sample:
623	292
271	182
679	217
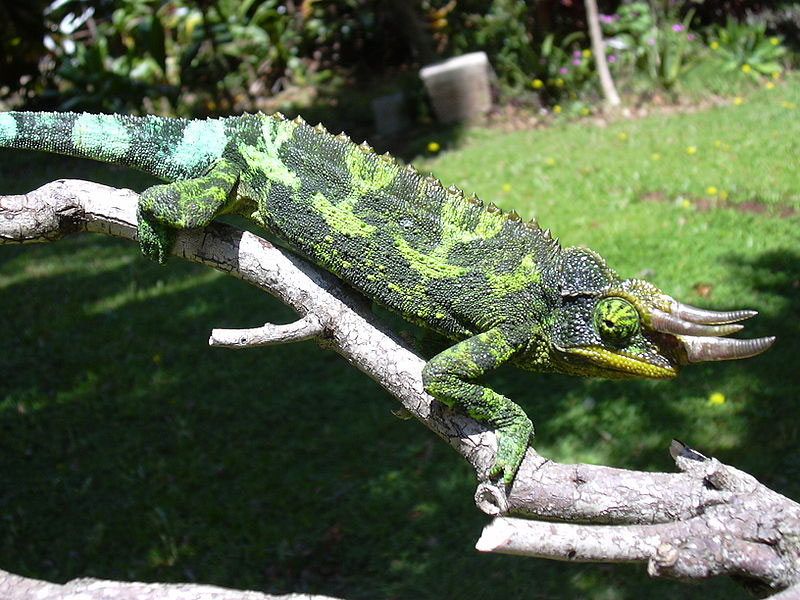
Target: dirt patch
707	203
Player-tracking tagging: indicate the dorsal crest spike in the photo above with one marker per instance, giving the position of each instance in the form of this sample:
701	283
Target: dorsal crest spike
387	158
410	169
546	234
320	128
513	216
343	137
298	120
278	116
493	208
473	199
365	147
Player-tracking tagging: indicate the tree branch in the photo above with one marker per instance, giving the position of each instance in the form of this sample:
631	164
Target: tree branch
708	519
14	587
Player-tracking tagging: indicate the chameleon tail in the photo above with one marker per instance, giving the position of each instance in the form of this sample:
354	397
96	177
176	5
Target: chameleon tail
170	149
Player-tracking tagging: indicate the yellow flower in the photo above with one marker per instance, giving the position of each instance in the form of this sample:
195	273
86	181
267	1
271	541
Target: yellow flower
776	75
585	111
717	144
506	187
557	109
746	68
433	147
586	53
550	161
723	195
685	203
769	85
559	82
537	84
774	41
711	190
655	156
716	398
714	45
691	150
738	100
623	136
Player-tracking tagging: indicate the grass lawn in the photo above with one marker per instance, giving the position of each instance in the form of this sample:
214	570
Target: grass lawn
131	450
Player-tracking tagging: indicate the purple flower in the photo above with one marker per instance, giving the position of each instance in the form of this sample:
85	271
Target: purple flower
651	42
691	37
576	61
606	19
612	58
563	70
576	53
677	27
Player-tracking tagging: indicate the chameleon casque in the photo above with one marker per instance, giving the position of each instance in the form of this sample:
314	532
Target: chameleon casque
502	289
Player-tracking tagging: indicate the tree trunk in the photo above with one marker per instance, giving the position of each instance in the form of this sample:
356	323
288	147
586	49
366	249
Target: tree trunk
599	51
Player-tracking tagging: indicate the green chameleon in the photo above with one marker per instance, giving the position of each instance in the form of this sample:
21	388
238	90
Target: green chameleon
504	290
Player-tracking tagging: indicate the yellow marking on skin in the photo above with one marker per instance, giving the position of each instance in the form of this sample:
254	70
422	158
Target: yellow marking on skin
274	134
625	365
341	217
368	174
432	266
526	272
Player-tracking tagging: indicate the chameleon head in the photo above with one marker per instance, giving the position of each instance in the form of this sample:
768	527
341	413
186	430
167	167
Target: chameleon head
609	327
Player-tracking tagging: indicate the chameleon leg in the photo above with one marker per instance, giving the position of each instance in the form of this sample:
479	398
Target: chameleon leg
183	204
448	378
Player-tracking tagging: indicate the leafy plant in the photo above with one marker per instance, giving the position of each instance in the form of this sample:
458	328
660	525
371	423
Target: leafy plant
657	46
746	46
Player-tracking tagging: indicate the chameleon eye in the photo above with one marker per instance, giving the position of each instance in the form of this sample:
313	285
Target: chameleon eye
616	320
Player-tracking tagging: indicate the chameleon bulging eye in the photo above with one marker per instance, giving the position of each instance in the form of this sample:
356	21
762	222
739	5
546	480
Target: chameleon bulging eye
616	320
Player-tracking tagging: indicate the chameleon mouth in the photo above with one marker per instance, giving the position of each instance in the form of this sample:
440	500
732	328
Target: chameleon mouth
701	332
625	365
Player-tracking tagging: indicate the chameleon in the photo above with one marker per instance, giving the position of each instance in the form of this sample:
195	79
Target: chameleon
500	289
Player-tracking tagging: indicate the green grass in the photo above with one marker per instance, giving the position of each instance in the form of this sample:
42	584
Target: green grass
131	450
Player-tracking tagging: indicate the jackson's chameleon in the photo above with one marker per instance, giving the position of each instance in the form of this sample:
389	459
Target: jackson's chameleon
502	289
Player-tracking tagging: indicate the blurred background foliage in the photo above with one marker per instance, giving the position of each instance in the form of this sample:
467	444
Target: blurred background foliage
176	57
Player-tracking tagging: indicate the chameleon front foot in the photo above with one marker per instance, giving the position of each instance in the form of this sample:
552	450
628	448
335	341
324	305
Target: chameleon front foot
512	442
155	240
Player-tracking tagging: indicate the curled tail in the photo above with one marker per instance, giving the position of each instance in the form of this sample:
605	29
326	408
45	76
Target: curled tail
170	149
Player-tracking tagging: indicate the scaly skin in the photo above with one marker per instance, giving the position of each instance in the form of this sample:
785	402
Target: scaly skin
502	289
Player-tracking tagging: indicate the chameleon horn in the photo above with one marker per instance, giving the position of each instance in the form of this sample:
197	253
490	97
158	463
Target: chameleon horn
700	349
709	317
669	323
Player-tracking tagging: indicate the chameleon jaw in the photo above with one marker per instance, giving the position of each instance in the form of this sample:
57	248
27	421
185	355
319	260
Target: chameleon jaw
623	365
701	332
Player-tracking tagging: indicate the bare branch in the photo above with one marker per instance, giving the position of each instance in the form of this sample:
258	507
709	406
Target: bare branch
268	334
708	519
14	587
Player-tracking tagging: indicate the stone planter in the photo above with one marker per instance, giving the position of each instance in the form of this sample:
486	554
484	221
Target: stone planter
459	87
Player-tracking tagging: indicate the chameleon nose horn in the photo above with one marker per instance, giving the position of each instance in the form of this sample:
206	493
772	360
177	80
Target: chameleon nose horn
709	317
700	331
700	349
